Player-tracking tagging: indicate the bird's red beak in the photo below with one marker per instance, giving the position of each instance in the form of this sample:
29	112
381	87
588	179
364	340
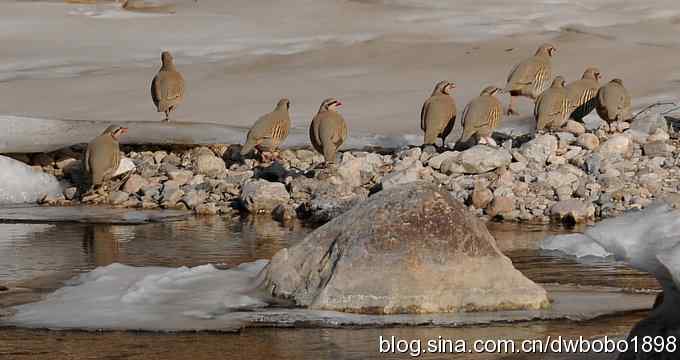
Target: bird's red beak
338	104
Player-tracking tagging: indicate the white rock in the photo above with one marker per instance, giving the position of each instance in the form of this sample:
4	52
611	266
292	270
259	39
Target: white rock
436	161
482	158
263	196
539	149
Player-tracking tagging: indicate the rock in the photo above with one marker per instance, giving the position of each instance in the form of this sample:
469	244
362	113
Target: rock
206	209
574	127
126	165
452	166
67	163
284	212
563	176
501	205
649	123
263	196
482	158
592	123
659	135
193	199
539	149
566	137
481	197
42	159
436	161
134	183
209	165
593	164
70	192
355	171
172	159
657	148
118	197
329	202
517	166
412	249
180	176
405	176
588	141
572	211
171	194
619	144
158	156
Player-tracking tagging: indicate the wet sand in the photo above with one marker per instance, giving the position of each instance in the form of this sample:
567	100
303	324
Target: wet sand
382	78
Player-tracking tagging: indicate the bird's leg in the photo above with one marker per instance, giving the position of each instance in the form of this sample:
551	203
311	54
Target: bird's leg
511	107
167	116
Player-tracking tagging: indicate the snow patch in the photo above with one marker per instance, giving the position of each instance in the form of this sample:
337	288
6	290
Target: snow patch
19	183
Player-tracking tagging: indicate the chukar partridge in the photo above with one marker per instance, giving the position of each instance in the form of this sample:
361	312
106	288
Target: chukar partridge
438	114
270	130
328	130
583	93
167	87
102	156
613	102
530	77
552	107
482	115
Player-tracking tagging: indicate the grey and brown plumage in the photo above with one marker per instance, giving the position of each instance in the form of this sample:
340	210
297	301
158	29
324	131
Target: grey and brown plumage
102	156
583	93
482	115
613	102
328	130
167	87
530	77
438	114
552	107
270	130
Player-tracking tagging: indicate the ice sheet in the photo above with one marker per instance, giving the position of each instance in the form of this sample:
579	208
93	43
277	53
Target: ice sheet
120	297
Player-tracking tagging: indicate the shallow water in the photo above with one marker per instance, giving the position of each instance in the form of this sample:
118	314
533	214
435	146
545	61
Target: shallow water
41	257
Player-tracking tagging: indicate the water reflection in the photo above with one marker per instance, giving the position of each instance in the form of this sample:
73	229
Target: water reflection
32	250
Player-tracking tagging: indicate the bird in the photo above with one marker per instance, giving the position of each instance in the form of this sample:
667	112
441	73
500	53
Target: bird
552	106
102	156
167	87
530	77
438	114
613	102
269	131
328	130
582	93
482	115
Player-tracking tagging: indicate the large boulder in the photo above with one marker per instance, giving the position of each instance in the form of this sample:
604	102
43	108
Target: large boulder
412	249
